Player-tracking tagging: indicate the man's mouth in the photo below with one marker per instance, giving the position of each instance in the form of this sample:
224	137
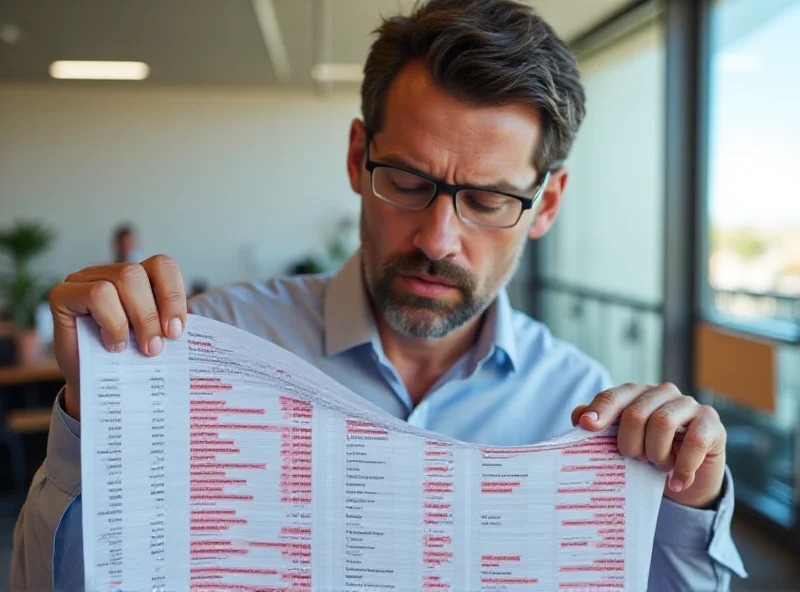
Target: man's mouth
427	286
431	279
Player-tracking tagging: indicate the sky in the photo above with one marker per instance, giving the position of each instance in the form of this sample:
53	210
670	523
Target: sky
754	172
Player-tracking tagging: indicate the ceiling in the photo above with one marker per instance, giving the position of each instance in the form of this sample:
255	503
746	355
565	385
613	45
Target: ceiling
221	42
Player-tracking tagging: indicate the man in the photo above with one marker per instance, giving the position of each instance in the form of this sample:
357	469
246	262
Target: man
124	244
470	108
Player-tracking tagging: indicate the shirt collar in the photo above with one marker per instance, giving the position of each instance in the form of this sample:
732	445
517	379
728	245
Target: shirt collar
349	320
497	331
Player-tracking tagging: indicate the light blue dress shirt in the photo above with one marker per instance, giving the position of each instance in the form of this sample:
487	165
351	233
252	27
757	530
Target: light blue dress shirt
516	385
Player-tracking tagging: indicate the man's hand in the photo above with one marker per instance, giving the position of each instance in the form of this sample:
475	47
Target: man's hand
149	296
651	429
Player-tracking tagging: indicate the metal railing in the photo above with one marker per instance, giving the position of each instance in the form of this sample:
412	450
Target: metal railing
746	304
622	332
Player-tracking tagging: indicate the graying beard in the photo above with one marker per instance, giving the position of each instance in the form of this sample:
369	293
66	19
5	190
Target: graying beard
399	319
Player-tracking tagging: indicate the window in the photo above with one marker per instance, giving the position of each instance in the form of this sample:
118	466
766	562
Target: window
753	235
754	160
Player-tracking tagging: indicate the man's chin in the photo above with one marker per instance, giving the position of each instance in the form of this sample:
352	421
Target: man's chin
419	322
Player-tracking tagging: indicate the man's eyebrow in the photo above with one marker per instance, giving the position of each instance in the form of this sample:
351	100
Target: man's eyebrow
502	186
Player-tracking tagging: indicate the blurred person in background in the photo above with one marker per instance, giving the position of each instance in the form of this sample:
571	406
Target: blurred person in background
124	244
470	108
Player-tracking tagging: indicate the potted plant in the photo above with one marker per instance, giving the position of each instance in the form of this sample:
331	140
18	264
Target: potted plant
22	289
338	250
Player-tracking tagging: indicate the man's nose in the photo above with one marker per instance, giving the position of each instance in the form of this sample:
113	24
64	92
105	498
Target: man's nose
439	234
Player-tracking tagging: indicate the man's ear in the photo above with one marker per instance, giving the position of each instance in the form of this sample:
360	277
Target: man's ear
545	215
355	154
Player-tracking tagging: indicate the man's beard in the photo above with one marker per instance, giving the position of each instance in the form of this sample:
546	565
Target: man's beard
401	310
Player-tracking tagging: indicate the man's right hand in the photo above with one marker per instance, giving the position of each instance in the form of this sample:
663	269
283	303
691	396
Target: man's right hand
149	296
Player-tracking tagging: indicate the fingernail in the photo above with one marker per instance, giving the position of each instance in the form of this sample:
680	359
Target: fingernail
112	347
591	415
155	345
175	328
676	485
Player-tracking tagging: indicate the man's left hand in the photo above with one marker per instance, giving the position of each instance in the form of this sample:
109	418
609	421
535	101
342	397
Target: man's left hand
651	429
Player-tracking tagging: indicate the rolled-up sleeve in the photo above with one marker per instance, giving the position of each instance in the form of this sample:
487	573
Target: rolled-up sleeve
47	536
693	549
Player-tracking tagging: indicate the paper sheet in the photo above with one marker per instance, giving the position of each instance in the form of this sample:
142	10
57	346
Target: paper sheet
227	463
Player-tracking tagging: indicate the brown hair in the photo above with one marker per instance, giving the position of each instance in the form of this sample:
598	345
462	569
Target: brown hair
485	52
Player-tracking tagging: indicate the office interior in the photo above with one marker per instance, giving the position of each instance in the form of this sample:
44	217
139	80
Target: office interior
676	256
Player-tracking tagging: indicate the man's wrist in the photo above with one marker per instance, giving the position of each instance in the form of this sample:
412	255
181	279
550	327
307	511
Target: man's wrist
72	406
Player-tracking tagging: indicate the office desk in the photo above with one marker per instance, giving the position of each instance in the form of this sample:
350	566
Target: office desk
31	418
45	370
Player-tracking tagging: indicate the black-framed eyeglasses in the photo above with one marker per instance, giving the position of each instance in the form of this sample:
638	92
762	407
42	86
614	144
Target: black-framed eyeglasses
413	190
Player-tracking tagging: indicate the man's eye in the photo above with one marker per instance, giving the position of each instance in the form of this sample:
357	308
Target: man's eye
410	188
408	183
486	202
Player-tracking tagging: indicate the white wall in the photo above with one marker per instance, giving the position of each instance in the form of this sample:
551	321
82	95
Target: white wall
234	183
609	233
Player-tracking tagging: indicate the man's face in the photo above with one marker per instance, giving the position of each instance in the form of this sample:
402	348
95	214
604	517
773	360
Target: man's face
127	243
427	271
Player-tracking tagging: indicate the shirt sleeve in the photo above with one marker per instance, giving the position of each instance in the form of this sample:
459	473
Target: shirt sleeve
693	549
48	550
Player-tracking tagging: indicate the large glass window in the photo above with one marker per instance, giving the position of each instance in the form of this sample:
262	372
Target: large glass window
753	237
754	185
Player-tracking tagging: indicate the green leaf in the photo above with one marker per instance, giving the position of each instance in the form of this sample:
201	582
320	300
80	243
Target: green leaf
21	288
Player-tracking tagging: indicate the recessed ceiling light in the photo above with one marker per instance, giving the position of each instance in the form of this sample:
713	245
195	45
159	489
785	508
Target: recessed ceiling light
338	72
72	70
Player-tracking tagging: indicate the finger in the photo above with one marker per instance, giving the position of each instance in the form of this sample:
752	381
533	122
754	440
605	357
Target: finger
662	428
170	294
577	412
606	407
136	295
69	301
98	299
634	419
704	434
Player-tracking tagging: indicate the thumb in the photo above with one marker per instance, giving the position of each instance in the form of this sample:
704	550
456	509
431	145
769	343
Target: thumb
577	412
